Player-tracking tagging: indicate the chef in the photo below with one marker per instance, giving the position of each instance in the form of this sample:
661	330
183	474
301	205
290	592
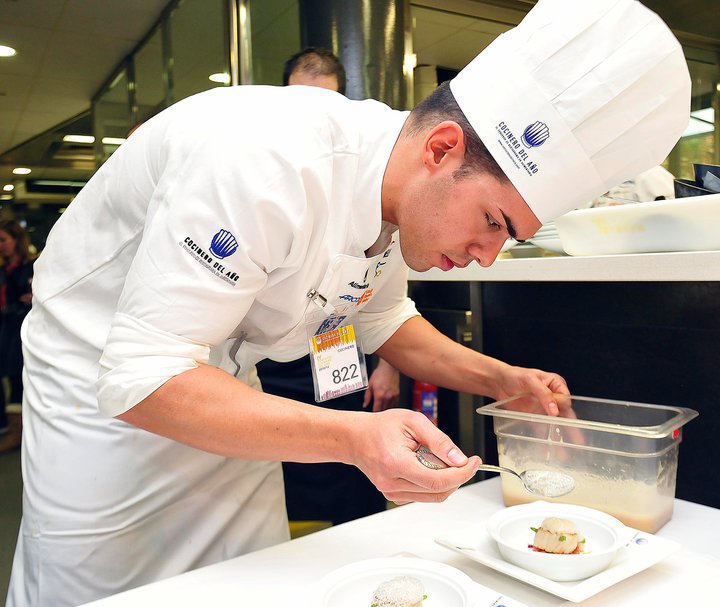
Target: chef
252	222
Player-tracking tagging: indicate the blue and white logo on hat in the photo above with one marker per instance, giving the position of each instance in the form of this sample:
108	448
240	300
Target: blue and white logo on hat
536	134
223	244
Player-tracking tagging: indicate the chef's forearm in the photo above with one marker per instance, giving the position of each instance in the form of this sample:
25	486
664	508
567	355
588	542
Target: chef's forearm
419	350
211	410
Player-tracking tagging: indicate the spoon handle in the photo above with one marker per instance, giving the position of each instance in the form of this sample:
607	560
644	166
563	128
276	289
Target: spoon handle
492	468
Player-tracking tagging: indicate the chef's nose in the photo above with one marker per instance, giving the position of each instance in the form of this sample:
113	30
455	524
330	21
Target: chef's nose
487	254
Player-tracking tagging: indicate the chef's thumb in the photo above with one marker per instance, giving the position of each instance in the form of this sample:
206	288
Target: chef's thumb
447	451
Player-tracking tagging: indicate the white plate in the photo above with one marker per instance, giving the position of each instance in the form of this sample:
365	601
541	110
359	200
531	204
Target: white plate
354	584
549	243
642	552
525	249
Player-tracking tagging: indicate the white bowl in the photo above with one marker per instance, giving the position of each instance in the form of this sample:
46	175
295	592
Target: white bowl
604	536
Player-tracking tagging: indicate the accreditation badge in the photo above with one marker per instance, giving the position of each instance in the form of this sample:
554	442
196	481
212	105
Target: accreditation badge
336	356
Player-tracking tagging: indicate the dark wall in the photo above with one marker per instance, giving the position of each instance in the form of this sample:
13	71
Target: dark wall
654	343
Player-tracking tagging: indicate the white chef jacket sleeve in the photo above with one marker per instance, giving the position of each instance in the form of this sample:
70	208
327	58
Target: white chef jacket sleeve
214	229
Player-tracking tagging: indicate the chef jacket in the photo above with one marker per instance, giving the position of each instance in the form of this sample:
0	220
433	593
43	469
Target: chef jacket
204	231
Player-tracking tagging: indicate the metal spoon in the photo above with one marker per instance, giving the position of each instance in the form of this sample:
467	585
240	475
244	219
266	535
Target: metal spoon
546	483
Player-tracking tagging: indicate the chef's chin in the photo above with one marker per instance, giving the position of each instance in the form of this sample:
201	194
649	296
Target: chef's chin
419	266
416	262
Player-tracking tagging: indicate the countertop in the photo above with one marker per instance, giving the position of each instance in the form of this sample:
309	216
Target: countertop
285	574
684	266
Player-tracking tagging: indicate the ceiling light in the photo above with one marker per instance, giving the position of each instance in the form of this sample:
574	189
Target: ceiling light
7	51
5	197
8	188
59	183
409	63
21	171
79	139
220	77
114	140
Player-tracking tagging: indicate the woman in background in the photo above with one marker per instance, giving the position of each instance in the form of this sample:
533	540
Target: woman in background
15	301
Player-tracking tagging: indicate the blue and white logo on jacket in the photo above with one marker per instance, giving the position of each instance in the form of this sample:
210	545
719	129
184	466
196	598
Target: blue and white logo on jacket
223	244
535	134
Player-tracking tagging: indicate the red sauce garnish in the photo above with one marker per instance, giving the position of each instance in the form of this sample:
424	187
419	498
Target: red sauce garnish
534	549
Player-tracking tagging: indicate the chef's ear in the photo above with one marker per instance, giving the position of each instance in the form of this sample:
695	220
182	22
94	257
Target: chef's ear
443	144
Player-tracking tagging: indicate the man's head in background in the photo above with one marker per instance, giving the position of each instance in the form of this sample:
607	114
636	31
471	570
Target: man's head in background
315	66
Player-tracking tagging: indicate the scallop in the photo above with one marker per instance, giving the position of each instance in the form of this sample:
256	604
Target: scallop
557	536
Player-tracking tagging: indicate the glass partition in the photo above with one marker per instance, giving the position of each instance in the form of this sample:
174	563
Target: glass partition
186	53
150	78
112	116
699	144
275	35
199	47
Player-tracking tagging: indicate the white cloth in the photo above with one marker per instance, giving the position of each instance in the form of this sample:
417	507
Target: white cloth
649	185
211	222
580	96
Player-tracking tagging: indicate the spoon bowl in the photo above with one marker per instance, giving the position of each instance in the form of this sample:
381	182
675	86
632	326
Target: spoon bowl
546	483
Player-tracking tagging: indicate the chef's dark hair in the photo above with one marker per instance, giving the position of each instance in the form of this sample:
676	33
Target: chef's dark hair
316	61
441	106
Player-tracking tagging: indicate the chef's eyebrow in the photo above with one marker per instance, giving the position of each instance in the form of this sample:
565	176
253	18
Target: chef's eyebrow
510	227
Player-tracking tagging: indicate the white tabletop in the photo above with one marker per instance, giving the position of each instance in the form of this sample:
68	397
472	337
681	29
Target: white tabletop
284	574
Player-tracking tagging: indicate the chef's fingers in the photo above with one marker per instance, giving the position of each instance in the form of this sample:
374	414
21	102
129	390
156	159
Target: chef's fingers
426	434
547	388
401	499
422	484
368	397
385	450
384	384
564	403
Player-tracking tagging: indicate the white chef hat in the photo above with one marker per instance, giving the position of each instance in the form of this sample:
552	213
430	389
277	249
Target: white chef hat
580	96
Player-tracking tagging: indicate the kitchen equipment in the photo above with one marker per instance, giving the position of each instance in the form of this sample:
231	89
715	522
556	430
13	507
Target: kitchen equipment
687	187
701	175
547	483
622	455
682	224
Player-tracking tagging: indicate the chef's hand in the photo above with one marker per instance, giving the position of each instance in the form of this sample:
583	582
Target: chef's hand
548	388
383	387
384	449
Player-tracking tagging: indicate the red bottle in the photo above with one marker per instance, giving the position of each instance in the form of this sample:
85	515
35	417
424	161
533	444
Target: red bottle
425	400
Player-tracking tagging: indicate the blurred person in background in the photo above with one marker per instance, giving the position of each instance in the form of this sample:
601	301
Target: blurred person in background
315	66
15	301
330	491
